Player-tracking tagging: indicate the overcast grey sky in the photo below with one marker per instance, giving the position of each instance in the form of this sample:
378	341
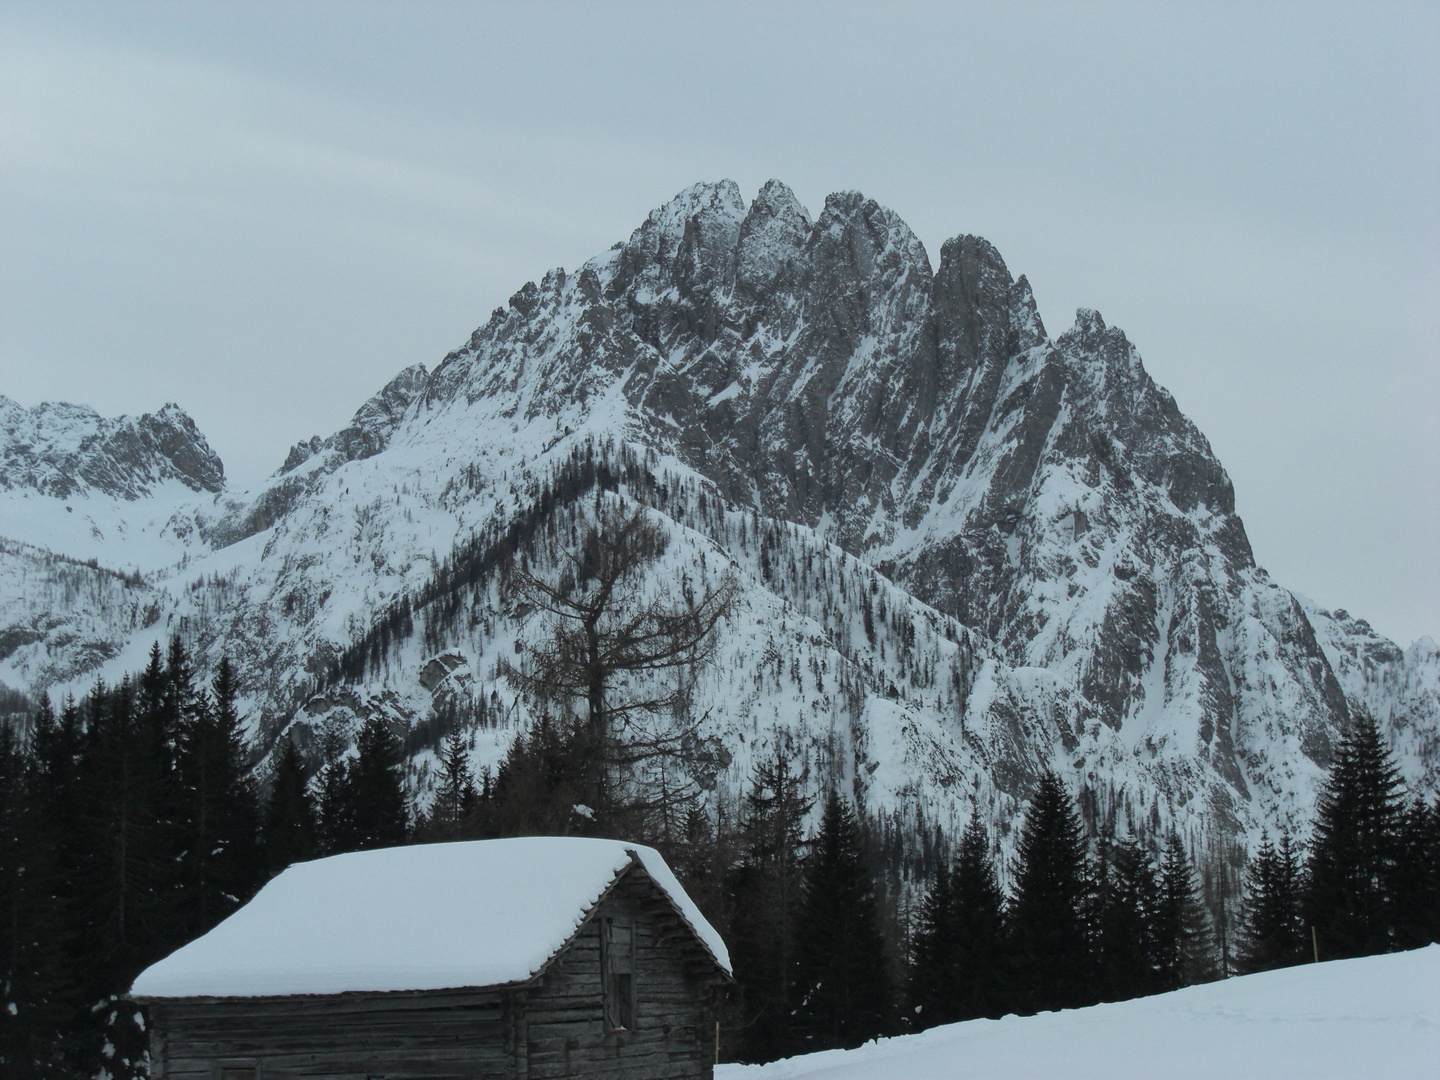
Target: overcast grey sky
263	212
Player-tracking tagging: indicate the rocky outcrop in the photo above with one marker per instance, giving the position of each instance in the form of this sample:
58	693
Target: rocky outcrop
62	450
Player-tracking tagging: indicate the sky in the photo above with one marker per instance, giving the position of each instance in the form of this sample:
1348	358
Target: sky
263	212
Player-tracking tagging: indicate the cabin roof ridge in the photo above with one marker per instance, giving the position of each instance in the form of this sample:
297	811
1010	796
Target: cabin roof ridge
473	914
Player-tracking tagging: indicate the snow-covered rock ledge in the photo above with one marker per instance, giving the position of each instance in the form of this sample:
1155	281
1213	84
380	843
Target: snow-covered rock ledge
1378	1016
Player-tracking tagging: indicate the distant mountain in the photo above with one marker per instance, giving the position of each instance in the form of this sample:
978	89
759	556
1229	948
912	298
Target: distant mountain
1045	550
62	450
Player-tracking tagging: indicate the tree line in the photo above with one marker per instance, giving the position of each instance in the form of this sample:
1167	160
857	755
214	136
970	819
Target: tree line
131	822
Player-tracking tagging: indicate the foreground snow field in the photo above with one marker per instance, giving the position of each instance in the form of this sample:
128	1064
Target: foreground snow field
1374	1017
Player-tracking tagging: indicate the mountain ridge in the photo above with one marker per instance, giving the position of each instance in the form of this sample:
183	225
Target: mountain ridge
1057	536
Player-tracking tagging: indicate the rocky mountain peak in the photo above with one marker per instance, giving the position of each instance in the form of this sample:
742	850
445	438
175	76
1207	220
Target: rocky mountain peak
62	450
1018	550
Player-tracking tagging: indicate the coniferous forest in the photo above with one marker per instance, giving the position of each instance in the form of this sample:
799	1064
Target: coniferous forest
129	824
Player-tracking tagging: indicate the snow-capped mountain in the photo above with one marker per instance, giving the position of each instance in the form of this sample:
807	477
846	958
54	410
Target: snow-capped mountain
1044	549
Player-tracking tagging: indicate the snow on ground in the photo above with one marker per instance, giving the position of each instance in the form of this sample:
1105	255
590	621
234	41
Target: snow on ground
428	917
1374	1017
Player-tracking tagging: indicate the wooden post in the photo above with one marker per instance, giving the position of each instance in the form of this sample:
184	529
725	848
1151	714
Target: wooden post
1315	943
717	1042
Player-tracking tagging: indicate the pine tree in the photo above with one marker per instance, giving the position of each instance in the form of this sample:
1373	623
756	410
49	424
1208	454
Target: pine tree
1184	945
1417	878
336	832
540	782
56	785
291	823
959	971
375	789
1355	849
116	826
456	796
222	866
1271	929
842	979
765	891
1049	949
934	972
1127	928
18	1051
36	1009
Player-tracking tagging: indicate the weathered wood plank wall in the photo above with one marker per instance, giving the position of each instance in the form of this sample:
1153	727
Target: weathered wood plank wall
552	1028
672	1038
426	1037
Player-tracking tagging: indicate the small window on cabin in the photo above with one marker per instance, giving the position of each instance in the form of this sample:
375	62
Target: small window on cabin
237	1072
618	961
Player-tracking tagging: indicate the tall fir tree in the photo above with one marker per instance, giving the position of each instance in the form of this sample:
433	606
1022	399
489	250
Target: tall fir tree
1272	931
766	888
331	786
1185	946
221	820
843	993
1355	848
56	756
291	823
456	795
1049	948
934	973
959	954
1126	921
1417	878
22	1039
375	789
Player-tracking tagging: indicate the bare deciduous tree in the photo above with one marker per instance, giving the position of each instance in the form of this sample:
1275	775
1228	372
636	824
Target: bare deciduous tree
615	631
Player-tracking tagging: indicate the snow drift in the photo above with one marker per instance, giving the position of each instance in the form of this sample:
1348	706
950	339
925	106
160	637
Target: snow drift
1374	1017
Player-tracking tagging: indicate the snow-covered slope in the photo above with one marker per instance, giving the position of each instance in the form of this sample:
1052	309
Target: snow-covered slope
1047	548
1377	1016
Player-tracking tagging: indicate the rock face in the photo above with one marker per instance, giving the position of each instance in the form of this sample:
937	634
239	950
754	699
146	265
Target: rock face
1046	493
968	550
62	450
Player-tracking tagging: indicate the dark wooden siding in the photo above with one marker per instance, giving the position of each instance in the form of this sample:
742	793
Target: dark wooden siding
673	1036
551	1028
400	1036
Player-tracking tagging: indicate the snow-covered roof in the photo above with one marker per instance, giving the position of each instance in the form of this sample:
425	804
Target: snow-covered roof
429	917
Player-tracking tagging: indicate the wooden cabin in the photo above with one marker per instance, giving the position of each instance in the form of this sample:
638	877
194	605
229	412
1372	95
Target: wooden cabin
525	958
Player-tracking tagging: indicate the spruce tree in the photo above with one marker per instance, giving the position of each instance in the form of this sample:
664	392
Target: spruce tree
959	971
455	797
1271	929
114	895
766	889
37	1005
1049	950
221	820
1355	849
1125	930
842	981
539	785
1417	878
331	784
117	824
934	973
56	785
18	1037
1184	944
291	823
375	789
